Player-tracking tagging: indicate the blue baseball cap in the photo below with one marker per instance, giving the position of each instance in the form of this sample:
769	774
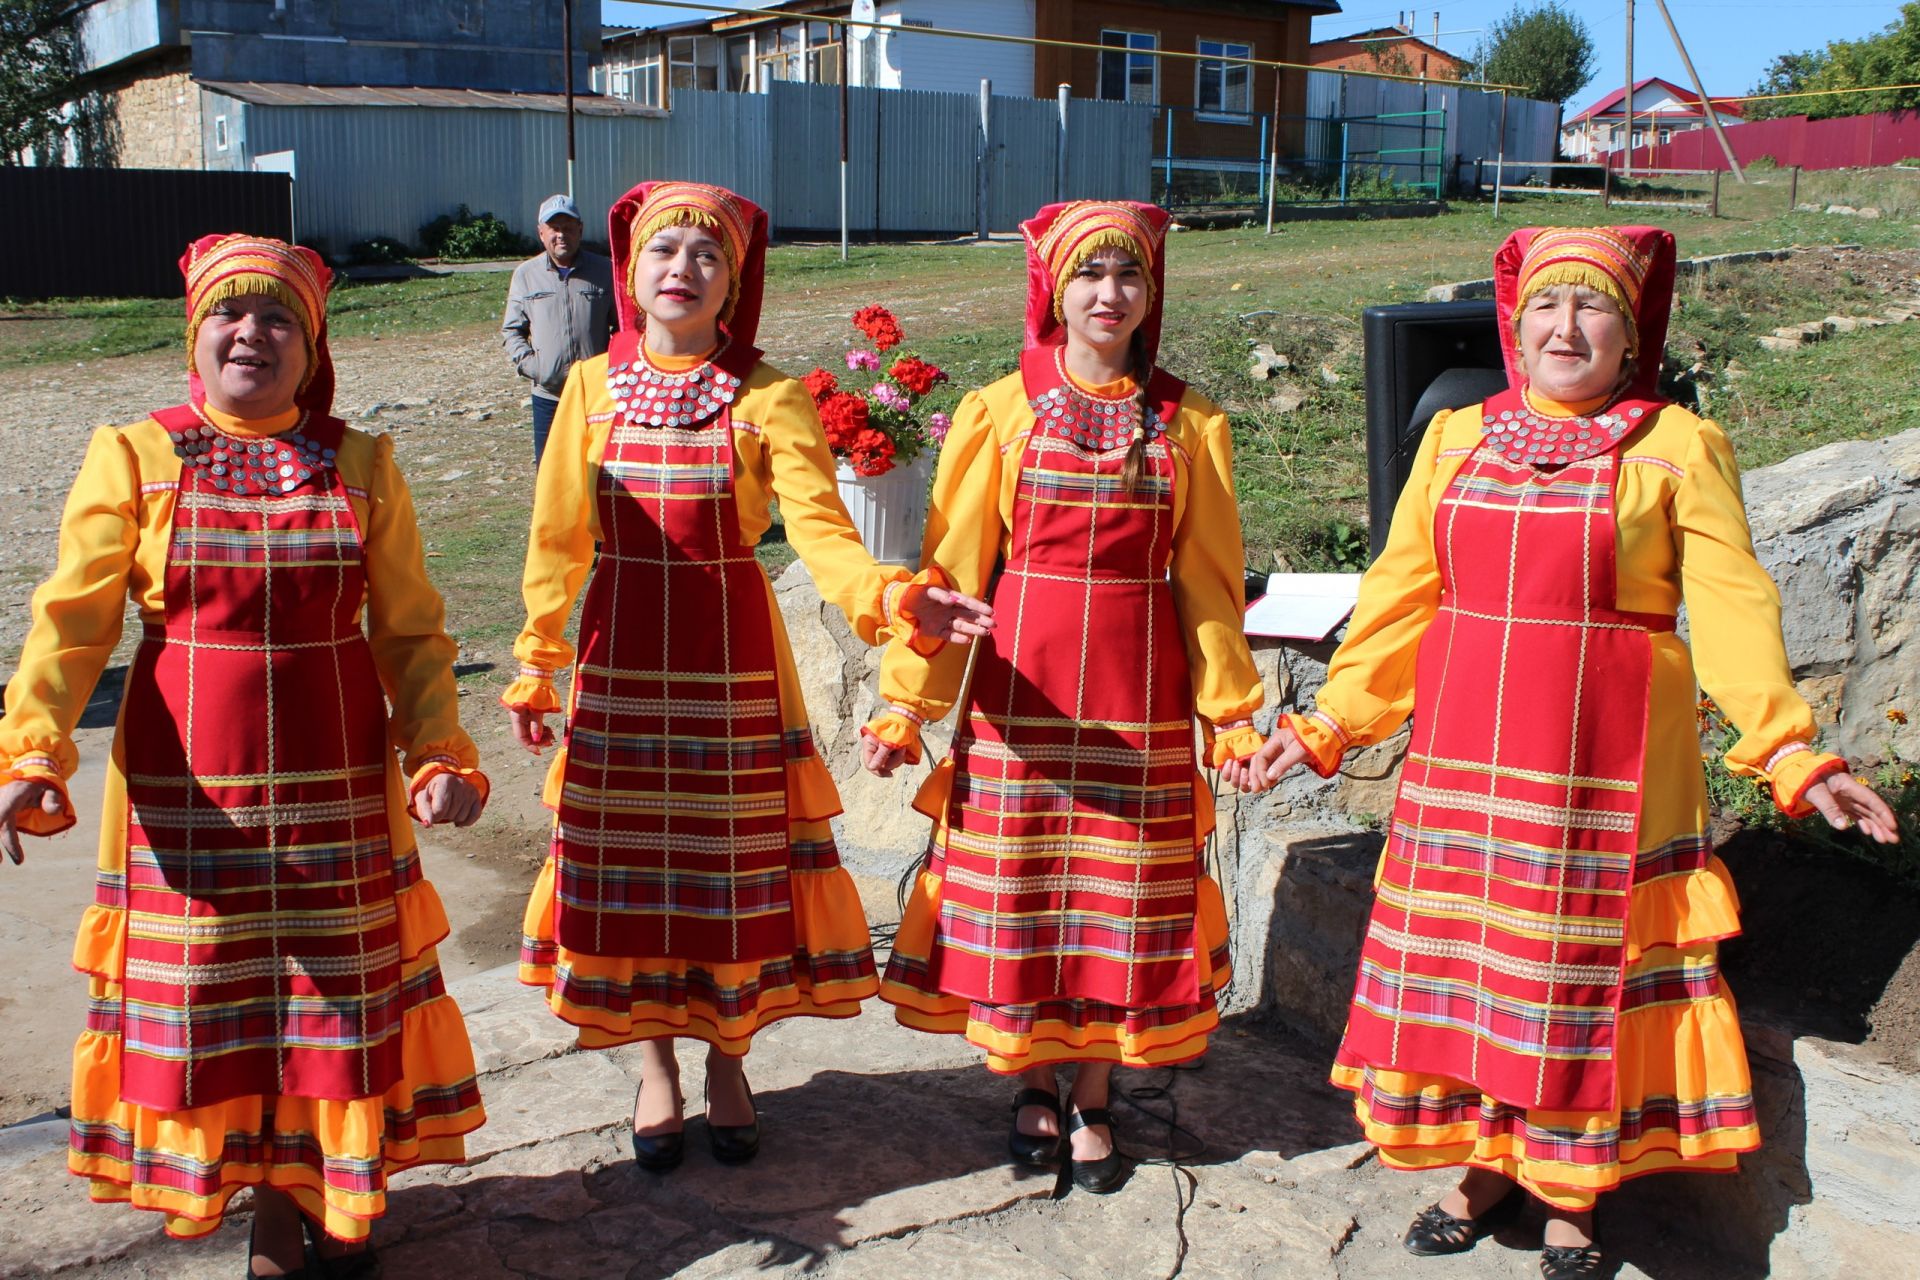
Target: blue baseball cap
554	206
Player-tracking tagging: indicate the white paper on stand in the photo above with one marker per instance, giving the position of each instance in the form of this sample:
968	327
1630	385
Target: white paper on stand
1303	606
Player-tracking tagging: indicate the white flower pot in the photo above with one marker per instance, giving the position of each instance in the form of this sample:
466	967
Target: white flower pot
890	511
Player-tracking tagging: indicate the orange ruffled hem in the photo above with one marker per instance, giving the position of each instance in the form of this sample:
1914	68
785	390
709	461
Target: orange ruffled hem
892	597
1018	1037
895	730
616	1000
532	693
1684	1086
332	1156
1235	744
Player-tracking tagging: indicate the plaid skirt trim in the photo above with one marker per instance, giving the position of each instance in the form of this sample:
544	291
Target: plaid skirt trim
1018	1037
1685	1098
333	1157
616	1000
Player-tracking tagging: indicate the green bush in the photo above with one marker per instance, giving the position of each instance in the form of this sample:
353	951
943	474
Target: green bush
464	234
1760	164
377	251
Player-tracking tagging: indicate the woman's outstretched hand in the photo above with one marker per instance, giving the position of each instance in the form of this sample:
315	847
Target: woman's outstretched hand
878	758
1282	754
530	728
18	797
946	614
1844	801
448	797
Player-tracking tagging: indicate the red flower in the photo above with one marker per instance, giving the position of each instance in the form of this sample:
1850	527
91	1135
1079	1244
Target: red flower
878	324
915	374
844	416
821	384
871	452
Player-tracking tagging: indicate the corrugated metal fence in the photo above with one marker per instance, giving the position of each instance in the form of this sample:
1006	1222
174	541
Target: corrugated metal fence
913	159
1472	121
71	236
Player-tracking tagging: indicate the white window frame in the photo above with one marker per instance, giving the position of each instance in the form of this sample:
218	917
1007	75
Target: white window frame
1223	55
1128	50
696	63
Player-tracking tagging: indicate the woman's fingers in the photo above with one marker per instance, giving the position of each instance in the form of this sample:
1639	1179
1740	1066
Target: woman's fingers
1854	801
529	728
878	758
16	797
949	615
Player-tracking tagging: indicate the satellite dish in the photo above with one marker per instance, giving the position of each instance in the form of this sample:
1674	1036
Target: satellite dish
862	12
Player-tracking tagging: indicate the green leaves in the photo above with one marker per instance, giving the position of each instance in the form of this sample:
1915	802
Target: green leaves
1544	48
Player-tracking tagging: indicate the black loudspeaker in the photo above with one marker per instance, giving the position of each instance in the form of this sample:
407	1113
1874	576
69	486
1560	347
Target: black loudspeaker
1421	357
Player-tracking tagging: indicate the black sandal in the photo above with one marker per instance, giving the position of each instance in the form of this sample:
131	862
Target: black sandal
1436	1233
1035	1149
1571	1262
1102	1175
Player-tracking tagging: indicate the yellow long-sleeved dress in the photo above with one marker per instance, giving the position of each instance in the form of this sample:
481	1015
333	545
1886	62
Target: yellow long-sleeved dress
332	1155
970	532
778	451
1684	1097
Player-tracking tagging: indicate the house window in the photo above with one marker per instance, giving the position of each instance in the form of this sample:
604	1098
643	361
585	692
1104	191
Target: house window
1129	71
823	54
1224	87
219	133
693	62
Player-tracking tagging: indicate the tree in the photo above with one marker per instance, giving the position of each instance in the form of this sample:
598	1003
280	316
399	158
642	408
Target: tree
1890	57
1545	49
41	106
1788	73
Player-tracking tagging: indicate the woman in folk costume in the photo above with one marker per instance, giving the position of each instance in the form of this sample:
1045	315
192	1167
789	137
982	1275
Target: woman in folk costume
1064	915
693	887
266	1009
1539	997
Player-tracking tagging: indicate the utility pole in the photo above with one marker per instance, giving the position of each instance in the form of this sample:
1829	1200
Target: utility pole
566	45
1706	104
1626	167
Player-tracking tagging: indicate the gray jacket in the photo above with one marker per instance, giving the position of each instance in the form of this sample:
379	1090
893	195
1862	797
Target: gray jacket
550	322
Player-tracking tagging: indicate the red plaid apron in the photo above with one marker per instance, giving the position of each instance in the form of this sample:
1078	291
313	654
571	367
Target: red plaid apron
1498	937
671	838
1069	856
262	936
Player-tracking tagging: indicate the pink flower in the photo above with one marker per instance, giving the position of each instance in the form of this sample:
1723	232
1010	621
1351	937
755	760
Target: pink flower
938	426
857	360
890	396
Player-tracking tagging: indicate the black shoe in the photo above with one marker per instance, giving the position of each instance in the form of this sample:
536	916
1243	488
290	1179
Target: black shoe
1039	1150
660	1152
363	1264
1570	1262
1102	1175
735	1143
1435	1232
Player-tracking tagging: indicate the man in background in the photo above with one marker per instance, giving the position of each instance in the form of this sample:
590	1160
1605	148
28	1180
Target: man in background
559	310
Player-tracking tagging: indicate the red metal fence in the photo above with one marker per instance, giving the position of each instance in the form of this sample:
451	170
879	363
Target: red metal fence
1845	142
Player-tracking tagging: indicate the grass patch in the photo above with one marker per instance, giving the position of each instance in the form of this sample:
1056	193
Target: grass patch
1852	387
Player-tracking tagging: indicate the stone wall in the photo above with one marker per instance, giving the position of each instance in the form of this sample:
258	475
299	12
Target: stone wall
157	119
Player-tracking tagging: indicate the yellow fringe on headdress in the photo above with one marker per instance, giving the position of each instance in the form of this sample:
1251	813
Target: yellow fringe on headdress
1096	243
1585	275
687	216
246	284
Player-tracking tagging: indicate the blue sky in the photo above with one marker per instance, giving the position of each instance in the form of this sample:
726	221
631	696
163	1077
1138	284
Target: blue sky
1731	41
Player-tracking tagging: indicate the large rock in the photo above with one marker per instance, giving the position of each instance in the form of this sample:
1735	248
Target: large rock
1836	527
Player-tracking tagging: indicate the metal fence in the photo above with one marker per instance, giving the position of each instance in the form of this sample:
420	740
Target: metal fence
72	235
914	167
1358	141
